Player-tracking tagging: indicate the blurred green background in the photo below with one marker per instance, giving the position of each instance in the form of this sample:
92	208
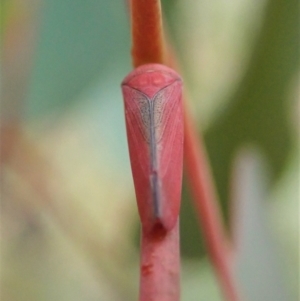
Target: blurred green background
69	222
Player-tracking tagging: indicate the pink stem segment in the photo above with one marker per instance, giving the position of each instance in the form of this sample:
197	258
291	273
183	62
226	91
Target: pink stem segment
147	32
160	266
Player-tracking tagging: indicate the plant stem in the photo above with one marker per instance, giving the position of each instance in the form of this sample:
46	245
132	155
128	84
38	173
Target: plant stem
160	255
147	32
207	209
160	266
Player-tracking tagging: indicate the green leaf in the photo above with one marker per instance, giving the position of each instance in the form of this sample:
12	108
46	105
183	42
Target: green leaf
258	109
78	41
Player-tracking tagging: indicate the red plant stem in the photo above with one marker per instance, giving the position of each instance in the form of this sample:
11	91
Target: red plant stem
147	32
207	209
160	256
160	266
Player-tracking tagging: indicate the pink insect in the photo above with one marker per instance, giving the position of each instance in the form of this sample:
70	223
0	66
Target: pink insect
154	123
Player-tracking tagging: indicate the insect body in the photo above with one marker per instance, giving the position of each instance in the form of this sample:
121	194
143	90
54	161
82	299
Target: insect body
154	123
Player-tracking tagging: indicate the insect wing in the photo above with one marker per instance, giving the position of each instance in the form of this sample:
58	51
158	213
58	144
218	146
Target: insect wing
154	124
169	130
139	151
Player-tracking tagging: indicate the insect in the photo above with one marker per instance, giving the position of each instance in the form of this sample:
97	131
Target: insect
154	123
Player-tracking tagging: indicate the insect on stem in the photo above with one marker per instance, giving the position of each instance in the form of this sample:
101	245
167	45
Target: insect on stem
154	123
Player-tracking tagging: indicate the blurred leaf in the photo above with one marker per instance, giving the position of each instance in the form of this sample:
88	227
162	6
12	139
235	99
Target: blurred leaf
258	112
284	215
199	282
48	267
257	259
78	41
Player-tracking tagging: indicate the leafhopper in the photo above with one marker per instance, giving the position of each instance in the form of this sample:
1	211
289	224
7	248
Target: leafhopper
154	123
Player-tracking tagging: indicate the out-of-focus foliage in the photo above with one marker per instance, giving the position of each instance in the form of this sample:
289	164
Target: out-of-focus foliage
259	110
72	50
69	217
